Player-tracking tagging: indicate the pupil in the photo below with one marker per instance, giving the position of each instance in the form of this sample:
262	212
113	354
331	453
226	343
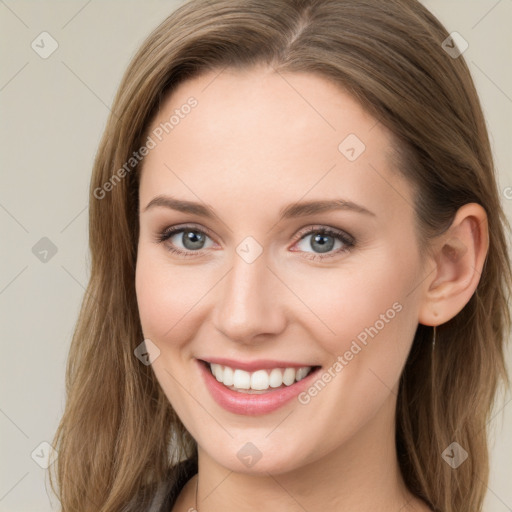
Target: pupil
323	241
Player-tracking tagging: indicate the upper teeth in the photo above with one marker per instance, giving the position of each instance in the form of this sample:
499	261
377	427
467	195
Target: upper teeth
260	379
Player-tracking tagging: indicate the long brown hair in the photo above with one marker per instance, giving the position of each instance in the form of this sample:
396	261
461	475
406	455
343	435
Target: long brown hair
119	436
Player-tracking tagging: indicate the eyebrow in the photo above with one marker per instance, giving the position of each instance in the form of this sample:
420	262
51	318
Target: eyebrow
299	209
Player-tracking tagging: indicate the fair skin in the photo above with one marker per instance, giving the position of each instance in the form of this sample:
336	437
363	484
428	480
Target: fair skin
257	142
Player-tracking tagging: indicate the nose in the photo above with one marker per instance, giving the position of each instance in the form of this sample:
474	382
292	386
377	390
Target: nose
250	302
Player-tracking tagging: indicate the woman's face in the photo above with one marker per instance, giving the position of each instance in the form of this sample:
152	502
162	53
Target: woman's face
257	285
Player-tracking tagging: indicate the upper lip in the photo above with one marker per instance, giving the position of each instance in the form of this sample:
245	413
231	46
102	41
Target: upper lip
258	364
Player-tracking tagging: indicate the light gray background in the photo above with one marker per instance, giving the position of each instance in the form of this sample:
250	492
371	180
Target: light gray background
53	112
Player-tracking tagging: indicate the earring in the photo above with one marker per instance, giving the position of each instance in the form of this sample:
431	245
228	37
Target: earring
434	339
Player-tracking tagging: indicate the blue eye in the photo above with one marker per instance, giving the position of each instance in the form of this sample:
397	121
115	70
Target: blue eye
323	241
194	240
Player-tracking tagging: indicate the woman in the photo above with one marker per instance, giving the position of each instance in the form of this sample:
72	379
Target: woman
298	293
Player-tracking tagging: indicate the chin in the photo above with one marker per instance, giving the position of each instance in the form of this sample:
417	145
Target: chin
254	458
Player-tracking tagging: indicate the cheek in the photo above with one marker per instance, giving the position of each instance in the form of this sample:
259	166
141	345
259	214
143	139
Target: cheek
366	313
165	300
165	296
373	320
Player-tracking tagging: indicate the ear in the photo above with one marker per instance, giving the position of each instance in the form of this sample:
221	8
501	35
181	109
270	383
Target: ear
459	256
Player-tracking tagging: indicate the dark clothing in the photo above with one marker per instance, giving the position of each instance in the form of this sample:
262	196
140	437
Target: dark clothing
168	493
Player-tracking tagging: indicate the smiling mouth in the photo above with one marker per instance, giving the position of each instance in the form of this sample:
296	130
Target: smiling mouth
258	381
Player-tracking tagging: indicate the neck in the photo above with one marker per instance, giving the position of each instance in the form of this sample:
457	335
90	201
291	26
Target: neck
361	474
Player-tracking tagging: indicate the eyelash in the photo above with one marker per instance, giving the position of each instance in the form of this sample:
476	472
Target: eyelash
347	240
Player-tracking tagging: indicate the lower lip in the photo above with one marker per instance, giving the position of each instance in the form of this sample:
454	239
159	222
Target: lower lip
252	404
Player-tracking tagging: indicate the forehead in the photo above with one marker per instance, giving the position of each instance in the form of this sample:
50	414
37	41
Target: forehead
257	137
